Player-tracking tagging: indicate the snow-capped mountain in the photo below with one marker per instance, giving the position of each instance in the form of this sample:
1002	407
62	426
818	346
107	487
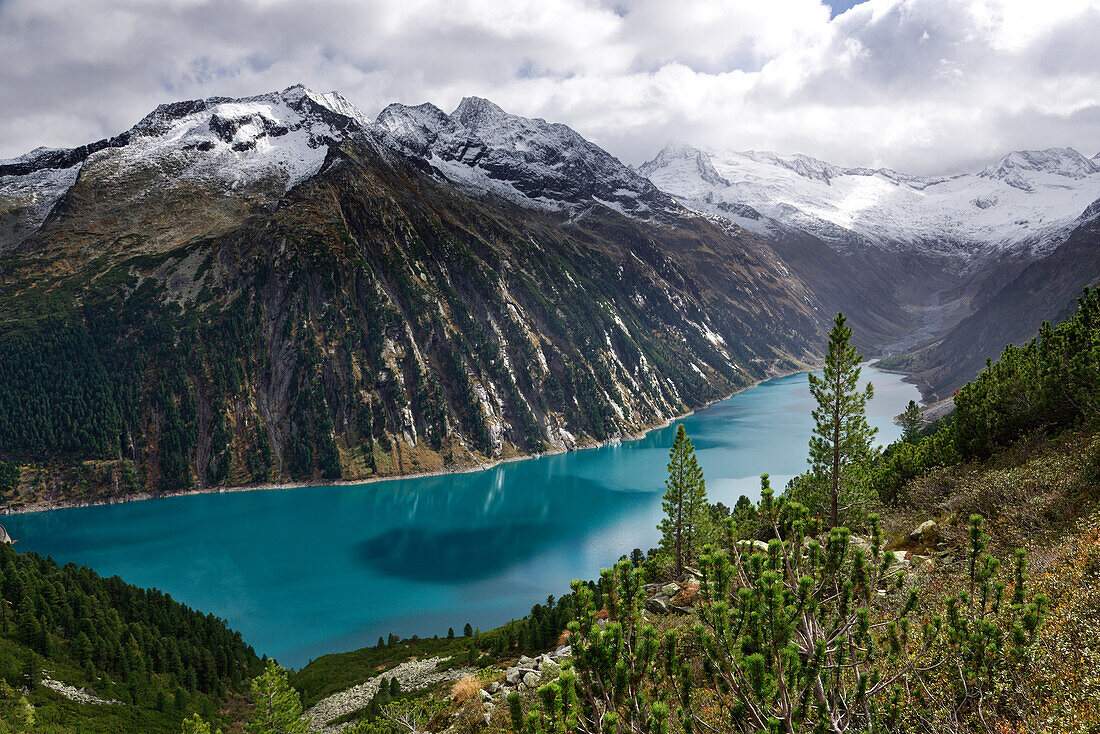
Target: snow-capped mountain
1029	200
257	147
528	161
331	293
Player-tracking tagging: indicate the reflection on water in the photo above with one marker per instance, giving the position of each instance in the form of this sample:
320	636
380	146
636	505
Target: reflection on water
302	572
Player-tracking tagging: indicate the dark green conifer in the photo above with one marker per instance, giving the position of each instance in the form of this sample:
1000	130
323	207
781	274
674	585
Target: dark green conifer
841	433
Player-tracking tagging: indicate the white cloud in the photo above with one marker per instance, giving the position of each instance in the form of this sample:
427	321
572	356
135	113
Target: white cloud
923	85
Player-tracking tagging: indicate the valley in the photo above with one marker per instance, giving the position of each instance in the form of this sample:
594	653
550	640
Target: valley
460	345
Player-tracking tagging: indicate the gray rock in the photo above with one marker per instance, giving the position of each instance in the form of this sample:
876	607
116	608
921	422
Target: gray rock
900	565
486	696
526	662
549	671
494	686
863	544
752	546
670	590
513	676
926	531
658	604
922	564
565	651
531	680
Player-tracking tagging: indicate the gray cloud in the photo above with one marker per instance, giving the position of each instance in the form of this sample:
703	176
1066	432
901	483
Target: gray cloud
929	86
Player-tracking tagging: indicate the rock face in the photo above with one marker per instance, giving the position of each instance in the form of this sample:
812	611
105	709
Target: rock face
358	299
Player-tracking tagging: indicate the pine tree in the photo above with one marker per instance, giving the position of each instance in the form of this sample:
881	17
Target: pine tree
911	422
195	725
685	526
467	631
841	433
278	708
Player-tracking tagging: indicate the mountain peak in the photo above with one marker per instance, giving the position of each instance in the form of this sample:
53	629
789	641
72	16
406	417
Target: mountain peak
474	111
1060	161
332	101
691	156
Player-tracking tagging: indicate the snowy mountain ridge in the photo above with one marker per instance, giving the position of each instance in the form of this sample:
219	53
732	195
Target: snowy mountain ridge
259	146
1026	201
528	161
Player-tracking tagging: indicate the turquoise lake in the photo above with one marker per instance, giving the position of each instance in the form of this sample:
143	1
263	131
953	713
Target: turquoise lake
304	572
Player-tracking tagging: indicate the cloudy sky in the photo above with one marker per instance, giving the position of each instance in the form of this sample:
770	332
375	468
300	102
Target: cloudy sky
928	86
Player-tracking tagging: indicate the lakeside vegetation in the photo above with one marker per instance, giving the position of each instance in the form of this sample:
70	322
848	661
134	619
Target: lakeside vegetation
805	619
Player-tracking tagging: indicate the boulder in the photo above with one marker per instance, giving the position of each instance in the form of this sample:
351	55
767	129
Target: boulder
686	596
658	604
549	671
565	651
922	564
526	662
863	544
486	696
494	686
691	574
752	546
900	565
531	680
925	532
513	675
670	589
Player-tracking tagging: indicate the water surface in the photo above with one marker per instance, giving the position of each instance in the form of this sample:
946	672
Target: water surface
303	572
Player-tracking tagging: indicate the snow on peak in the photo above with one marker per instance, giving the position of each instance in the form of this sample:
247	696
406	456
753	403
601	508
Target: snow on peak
798	163
528	161
689	155
1024	201
475	112
259	146
1060	161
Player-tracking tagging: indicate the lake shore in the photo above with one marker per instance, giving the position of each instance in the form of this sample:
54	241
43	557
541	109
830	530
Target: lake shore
269	486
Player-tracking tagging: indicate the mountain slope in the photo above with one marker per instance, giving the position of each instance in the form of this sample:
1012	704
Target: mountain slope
1044	290
922	255
224	302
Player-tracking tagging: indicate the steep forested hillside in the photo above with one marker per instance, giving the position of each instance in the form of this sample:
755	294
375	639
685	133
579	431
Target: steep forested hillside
100	655
164	329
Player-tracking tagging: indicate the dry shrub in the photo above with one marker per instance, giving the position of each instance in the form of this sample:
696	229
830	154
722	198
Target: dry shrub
465	688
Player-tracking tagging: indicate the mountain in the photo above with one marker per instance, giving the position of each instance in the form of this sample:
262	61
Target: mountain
531	162
278	288
924	254
1028	199
1045	290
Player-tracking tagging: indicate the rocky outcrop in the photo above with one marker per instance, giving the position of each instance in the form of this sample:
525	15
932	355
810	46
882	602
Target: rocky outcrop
412	675
80	695
527	674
